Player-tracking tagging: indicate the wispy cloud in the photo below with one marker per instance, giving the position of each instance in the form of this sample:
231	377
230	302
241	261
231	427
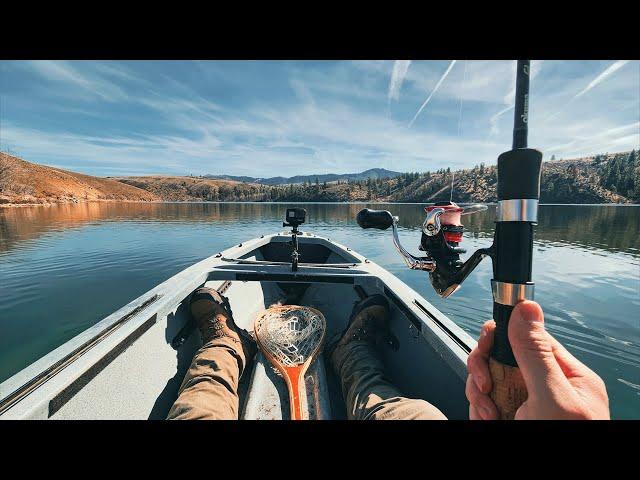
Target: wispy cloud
262	118
435	89
63	72
98	80
590	137
611	69
400	68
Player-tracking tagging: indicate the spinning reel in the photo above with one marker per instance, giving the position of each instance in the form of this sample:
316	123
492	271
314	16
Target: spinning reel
441	236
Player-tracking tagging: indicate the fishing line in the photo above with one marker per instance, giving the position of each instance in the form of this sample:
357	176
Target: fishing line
464	78
453	176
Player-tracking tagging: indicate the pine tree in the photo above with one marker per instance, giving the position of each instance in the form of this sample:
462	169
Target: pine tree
636	178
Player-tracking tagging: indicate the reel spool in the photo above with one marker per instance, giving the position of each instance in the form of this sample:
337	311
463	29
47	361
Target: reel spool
291	337
442	233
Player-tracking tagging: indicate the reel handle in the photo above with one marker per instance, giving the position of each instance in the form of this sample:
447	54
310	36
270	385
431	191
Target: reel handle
380	219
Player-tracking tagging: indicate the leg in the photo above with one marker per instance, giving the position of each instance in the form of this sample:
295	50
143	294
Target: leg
210	387
368	393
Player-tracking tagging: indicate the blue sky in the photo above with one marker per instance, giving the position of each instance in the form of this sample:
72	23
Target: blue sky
268	118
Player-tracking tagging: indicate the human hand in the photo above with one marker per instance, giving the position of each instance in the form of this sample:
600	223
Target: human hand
559	386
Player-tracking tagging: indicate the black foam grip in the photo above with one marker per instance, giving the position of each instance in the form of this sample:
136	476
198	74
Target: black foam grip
501	350
519	174
380	219
514	244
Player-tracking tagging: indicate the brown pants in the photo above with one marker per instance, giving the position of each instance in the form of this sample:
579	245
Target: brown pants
210	388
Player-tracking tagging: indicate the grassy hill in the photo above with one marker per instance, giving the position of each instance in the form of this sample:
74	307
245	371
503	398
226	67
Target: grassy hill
609	178
579	180
176	188
22	182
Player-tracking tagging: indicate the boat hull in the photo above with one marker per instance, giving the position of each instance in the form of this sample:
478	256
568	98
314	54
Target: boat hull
131	364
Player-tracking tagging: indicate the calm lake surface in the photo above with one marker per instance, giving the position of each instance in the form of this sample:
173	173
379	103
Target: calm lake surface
63	268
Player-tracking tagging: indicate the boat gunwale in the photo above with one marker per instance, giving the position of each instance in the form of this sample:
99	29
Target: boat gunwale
198	271
166	300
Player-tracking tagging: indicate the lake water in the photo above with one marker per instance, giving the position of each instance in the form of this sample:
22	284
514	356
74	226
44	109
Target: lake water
63	268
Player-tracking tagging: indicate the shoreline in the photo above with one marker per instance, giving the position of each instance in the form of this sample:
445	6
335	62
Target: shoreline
359	202
71	202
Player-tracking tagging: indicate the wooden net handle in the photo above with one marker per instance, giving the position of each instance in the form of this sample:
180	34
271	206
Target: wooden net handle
294	376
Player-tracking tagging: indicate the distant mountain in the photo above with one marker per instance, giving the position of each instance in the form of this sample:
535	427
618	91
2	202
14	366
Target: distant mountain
232	178
372	173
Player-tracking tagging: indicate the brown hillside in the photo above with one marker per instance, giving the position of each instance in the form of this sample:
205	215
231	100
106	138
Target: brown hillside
22	182
177	189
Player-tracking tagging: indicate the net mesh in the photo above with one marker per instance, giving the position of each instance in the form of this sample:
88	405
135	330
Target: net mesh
290	333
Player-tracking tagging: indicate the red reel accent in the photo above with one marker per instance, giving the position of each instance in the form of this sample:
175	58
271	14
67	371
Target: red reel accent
453	236
449	208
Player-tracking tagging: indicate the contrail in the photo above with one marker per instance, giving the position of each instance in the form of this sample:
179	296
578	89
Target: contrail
435	89
596	81
400	68
464	78
600	78
493	121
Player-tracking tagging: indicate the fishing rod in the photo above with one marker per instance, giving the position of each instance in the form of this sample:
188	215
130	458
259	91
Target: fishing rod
518	192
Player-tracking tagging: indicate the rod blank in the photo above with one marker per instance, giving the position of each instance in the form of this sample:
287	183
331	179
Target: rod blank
521	115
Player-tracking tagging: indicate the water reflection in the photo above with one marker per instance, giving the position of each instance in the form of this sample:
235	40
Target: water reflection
65	267
610	228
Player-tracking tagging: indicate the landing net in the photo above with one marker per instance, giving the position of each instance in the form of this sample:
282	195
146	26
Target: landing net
291	334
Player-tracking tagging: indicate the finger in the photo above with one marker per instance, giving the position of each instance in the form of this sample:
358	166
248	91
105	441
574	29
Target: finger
478	367
485	341
577	373
569	364
481	402
478	361
533	350
473	413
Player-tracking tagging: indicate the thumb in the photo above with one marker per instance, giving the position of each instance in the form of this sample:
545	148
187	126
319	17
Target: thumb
533	350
